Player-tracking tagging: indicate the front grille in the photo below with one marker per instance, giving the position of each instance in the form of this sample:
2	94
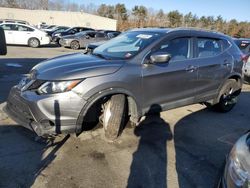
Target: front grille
19	107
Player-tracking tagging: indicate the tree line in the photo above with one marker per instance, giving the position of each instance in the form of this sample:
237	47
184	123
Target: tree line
139	16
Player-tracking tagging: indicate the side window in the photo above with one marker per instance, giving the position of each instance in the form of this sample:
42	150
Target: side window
8	27
178	48
24	28
208	47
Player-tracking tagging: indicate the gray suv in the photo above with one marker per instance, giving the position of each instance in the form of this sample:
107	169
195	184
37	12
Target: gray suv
127	77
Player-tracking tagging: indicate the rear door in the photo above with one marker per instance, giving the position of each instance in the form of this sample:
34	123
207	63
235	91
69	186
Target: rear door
214	65
22	34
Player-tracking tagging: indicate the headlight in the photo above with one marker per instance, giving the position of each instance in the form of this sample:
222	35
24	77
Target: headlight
57	34
57	86
238	174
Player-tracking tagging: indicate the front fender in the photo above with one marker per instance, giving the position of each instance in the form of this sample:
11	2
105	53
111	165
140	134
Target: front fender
134	106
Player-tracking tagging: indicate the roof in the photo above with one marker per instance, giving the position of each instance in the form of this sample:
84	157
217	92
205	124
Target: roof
168	30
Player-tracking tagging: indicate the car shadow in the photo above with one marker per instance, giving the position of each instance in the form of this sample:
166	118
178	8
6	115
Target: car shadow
203	139
148	168
11	71
22	159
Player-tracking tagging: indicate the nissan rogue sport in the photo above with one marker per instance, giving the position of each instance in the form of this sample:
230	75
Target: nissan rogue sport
127	77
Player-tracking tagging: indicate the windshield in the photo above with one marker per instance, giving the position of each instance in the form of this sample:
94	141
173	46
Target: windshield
69	29
127	45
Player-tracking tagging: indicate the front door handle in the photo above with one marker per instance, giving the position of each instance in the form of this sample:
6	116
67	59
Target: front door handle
191	68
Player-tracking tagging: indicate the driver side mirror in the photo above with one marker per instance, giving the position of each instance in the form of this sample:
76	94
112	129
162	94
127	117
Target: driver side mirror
3	47
160	57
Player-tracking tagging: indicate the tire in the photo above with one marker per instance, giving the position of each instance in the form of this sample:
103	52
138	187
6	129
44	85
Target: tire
34	42
74	45
228	96
114	116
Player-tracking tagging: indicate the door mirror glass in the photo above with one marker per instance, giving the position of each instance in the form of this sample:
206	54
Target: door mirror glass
3	47
160	57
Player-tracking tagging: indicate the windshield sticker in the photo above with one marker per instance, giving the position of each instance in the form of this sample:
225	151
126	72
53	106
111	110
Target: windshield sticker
143	36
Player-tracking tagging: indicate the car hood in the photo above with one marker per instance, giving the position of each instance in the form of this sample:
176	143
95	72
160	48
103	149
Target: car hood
74	66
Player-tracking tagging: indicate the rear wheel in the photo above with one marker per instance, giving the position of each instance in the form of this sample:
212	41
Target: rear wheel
74	45
228	96
34	43
114	116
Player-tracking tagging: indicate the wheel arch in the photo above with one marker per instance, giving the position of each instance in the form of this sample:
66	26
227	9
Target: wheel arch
134	109
34	37
235	76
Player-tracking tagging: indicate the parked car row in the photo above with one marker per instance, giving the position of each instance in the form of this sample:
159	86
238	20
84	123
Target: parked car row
22	33
84	38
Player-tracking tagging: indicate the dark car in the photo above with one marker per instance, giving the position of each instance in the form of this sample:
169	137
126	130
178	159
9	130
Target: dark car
82	39
125	78
71	31
237	168
243	44
57	29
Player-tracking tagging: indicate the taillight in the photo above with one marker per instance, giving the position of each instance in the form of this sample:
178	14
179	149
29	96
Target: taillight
244	58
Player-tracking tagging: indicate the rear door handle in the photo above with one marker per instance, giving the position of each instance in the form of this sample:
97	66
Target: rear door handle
191	68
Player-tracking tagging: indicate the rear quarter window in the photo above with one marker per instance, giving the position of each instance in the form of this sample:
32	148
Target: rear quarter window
226	44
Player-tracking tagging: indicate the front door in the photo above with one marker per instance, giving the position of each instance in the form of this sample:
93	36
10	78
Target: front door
171	84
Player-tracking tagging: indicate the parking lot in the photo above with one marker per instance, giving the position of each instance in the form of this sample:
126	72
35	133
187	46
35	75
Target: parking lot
184	147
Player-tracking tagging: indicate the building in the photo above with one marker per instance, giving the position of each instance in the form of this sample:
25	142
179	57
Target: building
63	18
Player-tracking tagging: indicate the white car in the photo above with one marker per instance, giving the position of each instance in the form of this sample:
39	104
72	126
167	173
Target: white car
22	34
246	70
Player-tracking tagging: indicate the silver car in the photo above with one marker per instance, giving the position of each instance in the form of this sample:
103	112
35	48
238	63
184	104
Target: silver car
82	39
127	77
237	169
